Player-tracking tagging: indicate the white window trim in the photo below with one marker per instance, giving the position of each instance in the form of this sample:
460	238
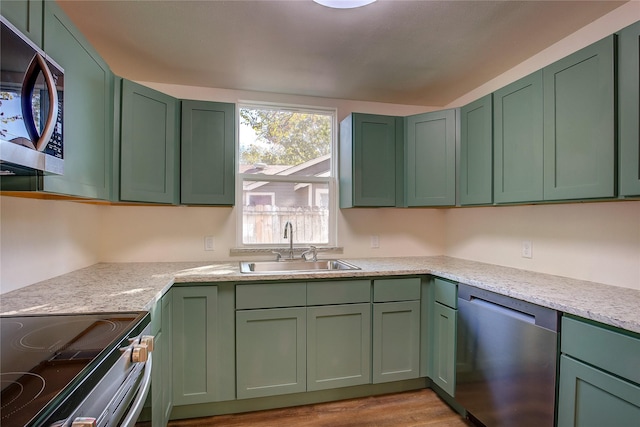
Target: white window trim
331	181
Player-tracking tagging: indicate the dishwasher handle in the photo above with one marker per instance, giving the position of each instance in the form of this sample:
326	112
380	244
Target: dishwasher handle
532	313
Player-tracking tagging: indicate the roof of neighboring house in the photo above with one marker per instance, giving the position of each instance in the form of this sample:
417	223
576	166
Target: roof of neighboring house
284	170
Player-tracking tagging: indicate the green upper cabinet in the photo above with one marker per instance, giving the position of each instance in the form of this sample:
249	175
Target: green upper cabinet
629	109
431	159
207	153
26	16
517	138
88	104
579	124
476	153
149	139
370	161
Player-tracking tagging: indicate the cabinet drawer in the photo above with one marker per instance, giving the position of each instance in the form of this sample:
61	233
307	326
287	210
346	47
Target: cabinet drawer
612	351
387	290
338	292
271	295
446	292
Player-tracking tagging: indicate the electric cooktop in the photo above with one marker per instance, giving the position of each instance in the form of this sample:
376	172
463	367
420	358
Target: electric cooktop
48	362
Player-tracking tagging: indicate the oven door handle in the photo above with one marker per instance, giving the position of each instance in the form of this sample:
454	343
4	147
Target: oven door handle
136	407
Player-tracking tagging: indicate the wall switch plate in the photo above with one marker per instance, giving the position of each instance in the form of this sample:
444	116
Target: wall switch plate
208	243
375	242
527	249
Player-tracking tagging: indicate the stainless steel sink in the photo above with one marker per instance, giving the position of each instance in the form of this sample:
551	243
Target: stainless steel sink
295	266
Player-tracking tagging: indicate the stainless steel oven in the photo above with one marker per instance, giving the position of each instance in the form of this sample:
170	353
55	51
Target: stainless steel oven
79	370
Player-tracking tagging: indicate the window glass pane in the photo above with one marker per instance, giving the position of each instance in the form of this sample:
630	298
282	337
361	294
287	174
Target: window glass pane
277	142
285	146
269	205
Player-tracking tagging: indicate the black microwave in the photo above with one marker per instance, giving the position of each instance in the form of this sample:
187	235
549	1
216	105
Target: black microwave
31	106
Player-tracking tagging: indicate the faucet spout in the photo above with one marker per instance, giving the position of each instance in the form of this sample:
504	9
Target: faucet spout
288	233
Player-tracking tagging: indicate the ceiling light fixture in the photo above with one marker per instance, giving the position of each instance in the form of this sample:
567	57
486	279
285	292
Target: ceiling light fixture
344	4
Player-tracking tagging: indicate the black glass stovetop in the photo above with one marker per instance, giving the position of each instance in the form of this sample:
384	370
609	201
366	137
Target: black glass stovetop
46	359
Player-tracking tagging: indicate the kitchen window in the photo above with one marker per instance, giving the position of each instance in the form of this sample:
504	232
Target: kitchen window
286	172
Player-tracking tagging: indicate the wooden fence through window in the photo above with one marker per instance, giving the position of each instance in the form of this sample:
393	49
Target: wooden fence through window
265	224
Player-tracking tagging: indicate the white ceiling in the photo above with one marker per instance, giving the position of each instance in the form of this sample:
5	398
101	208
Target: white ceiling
418	52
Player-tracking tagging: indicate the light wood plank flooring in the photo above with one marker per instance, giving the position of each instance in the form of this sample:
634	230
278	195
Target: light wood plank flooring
408	409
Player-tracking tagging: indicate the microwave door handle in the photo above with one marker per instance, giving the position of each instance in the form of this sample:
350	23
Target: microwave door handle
136	406
38	64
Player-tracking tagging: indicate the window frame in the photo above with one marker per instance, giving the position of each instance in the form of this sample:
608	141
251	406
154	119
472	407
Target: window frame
331	180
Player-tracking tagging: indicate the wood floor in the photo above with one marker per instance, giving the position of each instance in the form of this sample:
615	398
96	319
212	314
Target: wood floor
409	409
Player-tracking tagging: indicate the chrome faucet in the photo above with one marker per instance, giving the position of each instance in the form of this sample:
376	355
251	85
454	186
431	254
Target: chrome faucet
289	227
310	254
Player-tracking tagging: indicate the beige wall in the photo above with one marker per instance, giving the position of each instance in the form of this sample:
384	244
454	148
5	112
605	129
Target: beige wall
40	239
598	242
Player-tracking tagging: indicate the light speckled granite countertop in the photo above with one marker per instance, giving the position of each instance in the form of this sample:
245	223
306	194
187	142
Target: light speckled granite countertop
137	286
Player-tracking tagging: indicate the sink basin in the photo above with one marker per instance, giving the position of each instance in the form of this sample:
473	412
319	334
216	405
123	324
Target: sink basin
295	266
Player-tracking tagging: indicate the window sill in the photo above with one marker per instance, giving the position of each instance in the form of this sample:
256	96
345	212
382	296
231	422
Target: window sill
264	250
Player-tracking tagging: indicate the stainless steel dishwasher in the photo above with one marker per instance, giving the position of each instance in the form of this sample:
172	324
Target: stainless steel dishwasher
506	359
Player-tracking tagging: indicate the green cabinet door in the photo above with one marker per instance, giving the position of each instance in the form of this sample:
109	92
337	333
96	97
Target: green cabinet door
159	364
207	153
161	380
88	110
629	109
26	16
203	343
148	145
589	397
431	159
166	351
396	341
518	144
579	124
370	161
443	347
271	352
338	346
476	152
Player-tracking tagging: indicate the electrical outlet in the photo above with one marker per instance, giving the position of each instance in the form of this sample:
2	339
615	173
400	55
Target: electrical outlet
208	243
375	242
527	249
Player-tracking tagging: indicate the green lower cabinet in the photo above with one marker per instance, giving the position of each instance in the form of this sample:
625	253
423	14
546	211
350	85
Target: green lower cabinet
161	379
443	346
203	344
589	397
338	346
629	109
599	377
270	352
166	353
396	341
